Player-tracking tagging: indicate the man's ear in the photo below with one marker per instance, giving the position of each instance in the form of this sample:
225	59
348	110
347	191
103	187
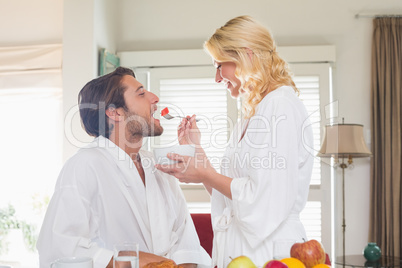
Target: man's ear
115	114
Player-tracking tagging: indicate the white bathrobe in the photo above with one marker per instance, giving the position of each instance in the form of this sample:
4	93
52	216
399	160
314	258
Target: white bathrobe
271	169
100	200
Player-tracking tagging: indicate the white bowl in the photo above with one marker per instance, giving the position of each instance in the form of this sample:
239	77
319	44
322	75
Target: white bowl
161	153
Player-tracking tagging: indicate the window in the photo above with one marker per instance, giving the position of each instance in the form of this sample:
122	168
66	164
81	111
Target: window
31	146
210	107
309	87
177	89
313	80
310	95
312	220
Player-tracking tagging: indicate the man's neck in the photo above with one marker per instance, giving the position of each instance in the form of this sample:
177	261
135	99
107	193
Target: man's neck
130	144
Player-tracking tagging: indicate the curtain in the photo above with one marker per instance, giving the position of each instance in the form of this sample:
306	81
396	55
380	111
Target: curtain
386	87
30	66
25	58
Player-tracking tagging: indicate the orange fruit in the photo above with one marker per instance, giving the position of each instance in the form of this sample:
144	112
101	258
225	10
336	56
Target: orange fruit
293	263
321	265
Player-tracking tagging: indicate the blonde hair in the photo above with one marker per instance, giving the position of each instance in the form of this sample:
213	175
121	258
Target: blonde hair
238	40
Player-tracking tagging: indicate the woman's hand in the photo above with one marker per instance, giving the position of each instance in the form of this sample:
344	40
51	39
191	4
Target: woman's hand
188	169
188	132
197	169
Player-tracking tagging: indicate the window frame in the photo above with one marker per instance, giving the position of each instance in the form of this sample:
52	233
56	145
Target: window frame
315	56
324	191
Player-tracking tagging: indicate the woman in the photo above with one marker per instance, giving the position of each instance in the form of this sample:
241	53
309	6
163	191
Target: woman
266	169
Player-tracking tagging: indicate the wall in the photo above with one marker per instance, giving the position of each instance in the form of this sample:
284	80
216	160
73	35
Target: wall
24	22
126	25
183	24
88	26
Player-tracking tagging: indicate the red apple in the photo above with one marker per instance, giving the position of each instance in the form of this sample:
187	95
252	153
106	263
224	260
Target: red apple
310	253
327	260
275	264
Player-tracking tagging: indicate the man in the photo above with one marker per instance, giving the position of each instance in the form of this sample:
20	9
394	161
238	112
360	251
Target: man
110	192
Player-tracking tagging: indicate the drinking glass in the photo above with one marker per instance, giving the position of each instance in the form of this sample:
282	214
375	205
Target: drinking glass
72	262
282	248
126	255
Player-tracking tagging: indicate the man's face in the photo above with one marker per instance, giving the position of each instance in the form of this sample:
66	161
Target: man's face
141	106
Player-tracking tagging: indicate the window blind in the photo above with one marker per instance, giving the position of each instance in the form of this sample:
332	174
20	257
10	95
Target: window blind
208	100
205	98
310	95
311	219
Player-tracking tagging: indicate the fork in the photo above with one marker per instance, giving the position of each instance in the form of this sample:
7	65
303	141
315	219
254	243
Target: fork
166	115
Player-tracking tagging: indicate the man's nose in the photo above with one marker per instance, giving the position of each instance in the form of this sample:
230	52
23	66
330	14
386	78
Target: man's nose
154	98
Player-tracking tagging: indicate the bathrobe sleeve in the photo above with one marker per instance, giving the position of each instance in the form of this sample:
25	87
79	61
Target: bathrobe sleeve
66	227
264	198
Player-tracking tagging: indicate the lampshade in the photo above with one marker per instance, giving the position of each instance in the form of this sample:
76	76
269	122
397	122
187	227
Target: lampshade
344	140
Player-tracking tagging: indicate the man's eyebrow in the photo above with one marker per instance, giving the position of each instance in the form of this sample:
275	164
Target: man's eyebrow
140	87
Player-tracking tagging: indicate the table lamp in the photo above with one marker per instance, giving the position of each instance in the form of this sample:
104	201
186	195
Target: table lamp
344	141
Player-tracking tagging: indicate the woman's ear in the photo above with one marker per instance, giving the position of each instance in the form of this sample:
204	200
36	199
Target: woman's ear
114	114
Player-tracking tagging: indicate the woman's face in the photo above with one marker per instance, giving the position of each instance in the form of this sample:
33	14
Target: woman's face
225	73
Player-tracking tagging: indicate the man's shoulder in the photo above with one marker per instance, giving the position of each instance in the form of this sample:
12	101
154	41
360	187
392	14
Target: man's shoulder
88	156
87	153
85	166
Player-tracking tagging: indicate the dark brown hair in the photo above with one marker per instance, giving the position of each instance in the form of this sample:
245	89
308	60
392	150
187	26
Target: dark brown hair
97	96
